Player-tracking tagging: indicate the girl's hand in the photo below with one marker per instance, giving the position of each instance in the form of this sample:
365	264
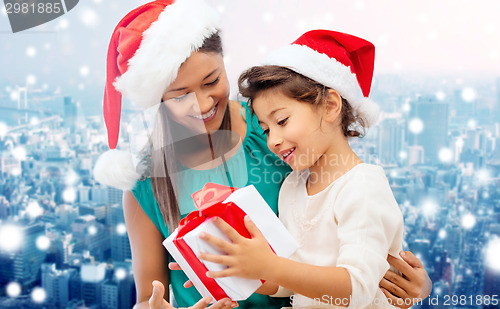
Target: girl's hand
414	286
246	258
158	302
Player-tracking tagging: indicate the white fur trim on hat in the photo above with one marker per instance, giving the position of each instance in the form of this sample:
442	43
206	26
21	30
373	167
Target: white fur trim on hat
328	72
368	110
115	168
180	30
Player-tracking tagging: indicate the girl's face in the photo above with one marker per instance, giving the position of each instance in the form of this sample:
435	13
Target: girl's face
200	93
293	129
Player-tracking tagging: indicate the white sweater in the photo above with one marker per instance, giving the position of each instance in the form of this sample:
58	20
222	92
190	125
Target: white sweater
353	223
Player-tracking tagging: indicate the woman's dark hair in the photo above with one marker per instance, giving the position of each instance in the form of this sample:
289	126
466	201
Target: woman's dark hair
161	169
257	79
212	44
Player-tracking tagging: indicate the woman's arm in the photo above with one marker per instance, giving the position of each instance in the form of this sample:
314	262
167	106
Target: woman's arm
413	286
149	257
268	288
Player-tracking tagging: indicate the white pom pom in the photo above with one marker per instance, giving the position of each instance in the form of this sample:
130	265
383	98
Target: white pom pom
369	110
115	168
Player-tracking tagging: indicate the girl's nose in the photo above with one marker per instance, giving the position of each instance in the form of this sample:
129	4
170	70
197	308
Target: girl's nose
274	141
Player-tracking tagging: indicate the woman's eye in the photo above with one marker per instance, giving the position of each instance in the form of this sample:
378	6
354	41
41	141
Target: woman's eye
266	131
181	98
214	82
282	122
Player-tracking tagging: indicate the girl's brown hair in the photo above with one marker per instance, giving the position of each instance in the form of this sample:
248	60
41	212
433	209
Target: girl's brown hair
162	167
299	87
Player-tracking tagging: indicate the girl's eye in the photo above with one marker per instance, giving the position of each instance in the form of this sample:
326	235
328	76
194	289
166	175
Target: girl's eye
266	132
282	122
214	82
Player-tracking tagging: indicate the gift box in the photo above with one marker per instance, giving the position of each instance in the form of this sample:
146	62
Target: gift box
231	205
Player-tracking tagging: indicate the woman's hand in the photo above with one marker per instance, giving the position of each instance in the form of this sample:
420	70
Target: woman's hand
158	302
246	258
176	266
413	286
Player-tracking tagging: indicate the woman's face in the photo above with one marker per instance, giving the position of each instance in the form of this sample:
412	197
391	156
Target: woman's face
199	95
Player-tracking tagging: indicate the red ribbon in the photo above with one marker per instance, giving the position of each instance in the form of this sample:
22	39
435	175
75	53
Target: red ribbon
209	203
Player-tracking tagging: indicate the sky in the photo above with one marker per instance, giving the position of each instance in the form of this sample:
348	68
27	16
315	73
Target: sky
426	37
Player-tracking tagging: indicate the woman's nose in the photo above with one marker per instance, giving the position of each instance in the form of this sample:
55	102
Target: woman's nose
205	102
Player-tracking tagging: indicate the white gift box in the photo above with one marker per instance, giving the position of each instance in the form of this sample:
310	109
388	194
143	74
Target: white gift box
252	203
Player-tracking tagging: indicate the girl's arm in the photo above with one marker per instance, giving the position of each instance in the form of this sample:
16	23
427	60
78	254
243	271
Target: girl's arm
412	286
254	259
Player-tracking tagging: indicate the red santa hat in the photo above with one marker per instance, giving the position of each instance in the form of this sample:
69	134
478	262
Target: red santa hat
145	53
337	60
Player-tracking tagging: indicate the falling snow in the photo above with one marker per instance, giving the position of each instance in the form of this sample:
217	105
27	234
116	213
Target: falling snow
493	254
416	126
31	52
445	155
11	237
121	229
43	242
38	295
69	195
468	221
89	17
13	289
468	94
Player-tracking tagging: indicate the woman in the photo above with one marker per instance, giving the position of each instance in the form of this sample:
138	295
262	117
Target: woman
168	56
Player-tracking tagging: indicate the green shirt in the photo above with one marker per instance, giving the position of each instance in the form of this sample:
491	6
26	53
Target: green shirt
264	170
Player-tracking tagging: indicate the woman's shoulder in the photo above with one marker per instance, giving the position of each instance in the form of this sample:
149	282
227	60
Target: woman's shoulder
238	118
143	193
142	185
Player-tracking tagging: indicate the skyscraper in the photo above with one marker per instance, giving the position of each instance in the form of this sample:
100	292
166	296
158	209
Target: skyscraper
27	261
120	245
92	277
391	140
70	114
56	284
115	196
497	103
433	114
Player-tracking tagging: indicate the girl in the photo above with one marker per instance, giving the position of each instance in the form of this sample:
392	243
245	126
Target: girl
340	210
165	55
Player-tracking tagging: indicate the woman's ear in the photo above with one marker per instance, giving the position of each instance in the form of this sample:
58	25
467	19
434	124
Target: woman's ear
332	106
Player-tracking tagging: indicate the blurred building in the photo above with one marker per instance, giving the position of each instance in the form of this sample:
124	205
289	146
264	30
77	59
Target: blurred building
433	137
56	284
70	114
92	277
27	260
391	139
120	245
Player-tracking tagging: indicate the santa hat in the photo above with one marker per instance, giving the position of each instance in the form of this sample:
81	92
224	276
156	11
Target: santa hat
337	60
146	51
